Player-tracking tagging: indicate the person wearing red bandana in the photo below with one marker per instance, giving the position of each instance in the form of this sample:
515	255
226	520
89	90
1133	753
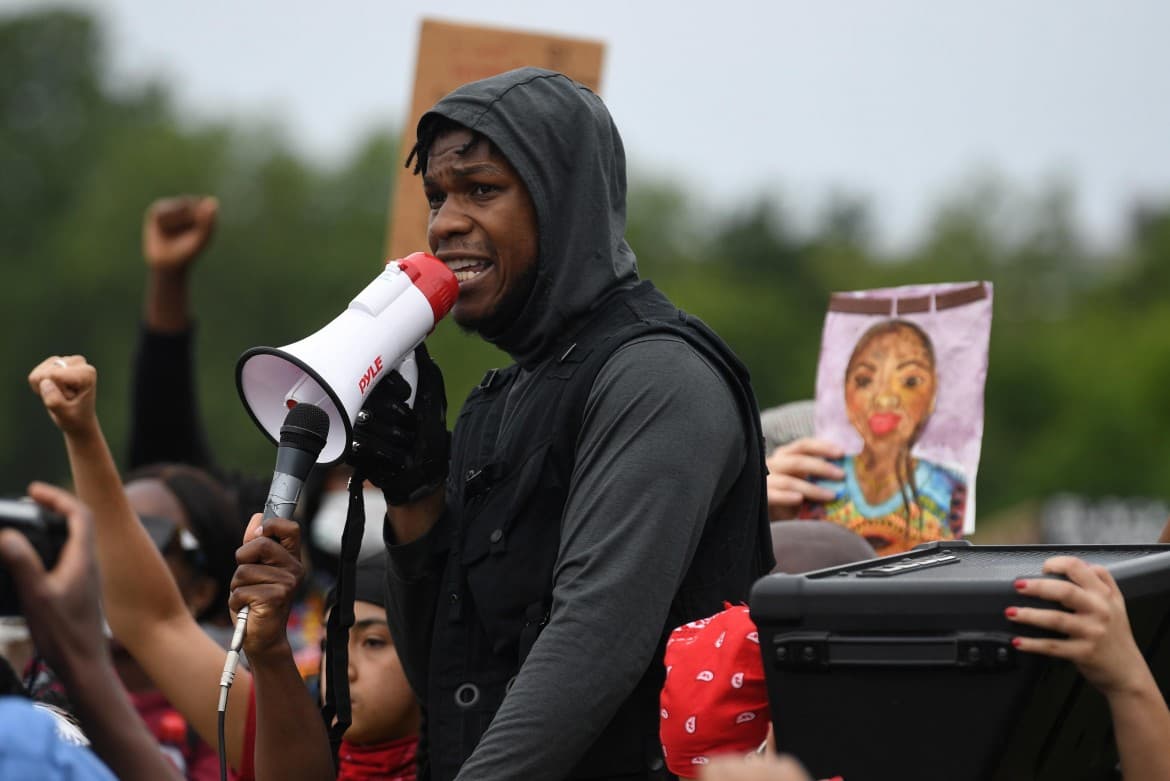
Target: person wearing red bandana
382	740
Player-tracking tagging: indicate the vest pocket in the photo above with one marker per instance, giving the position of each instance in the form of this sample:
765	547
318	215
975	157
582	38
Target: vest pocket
510	541
499	495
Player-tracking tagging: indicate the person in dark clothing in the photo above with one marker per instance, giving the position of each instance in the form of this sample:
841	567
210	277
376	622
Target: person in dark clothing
165	425
165	422
602	490
383	739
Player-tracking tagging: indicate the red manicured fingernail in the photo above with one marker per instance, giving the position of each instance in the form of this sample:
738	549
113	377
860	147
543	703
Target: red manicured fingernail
1021	584
1015	642
1011	612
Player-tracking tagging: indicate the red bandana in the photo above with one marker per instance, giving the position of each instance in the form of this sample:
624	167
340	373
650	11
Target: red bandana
714	700
393	760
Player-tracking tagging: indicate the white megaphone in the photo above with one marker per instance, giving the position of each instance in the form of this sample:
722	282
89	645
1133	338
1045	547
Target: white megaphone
337	367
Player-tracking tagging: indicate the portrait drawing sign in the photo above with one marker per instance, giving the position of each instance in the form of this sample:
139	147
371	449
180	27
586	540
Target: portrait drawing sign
900	389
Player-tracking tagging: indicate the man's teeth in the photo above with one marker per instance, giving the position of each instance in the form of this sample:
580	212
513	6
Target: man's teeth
467	270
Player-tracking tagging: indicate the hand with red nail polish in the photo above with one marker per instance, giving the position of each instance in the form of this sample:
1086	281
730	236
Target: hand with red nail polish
1099	640
1100	643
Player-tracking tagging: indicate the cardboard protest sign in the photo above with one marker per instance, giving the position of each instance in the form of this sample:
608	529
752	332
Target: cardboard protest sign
450	55
900	390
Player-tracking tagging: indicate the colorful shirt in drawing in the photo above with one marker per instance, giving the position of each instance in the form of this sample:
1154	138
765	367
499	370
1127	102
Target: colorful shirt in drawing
936	510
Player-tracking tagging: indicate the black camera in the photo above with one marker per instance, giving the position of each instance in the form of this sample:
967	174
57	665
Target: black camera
46	530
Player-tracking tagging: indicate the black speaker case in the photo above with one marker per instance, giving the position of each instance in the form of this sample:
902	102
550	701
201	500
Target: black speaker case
911	674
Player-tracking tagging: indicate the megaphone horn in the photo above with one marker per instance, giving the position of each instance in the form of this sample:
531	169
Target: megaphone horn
337	367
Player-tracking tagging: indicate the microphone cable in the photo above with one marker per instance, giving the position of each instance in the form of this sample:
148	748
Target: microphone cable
302	437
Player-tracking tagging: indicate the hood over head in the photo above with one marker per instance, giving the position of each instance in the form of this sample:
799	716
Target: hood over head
561	140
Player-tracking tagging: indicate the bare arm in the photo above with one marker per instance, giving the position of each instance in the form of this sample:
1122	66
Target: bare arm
291	741
66	627
1142	727
142	602
164	410
1101	645
174	232
762	768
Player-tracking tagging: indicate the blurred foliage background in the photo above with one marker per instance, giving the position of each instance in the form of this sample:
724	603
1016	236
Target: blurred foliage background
1080	346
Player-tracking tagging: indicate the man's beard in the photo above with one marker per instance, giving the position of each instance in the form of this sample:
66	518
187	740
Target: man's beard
504	314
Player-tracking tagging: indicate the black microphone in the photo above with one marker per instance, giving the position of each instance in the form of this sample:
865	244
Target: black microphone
303	435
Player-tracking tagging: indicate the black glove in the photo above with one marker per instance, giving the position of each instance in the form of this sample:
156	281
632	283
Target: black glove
404	451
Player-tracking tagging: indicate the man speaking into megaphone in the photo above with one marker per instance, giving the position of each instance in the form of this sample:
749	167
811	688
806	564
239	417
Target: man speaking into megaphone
604	488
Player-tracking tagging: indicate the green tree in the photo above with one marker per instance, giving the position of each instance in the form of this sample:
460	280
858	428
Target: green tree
1074	395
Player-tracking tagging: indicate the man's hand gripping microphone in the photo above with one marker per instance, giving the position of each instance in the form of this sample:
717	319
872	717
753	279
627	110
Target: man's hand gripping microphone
404	450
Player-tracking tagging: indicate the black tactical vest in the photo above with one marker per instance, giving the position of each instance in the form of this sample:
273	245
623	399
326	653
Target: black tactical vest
507	496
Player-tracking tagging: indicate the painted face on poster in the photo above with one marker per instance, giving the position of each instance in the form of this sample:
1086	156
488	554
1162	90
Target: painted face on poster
900	390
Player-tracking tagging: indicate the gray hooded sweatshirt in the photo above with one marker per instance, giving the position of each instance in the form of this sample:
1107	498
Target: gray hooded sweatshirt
661	441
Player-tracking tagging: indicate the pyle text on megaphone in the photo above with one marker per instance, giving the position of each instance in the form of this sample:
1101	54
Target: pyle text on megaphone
336	367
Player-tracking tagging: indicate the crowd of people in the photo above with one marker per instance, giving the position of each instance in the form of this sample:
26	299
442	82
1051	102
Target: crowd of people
539	589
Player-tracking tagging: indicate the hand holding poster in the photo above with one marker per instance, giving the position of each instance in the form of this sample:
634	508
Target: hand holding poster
900	390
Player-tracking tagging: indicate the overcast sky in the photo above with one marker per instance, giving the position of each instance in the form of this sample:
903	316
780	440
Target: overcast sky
898	100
